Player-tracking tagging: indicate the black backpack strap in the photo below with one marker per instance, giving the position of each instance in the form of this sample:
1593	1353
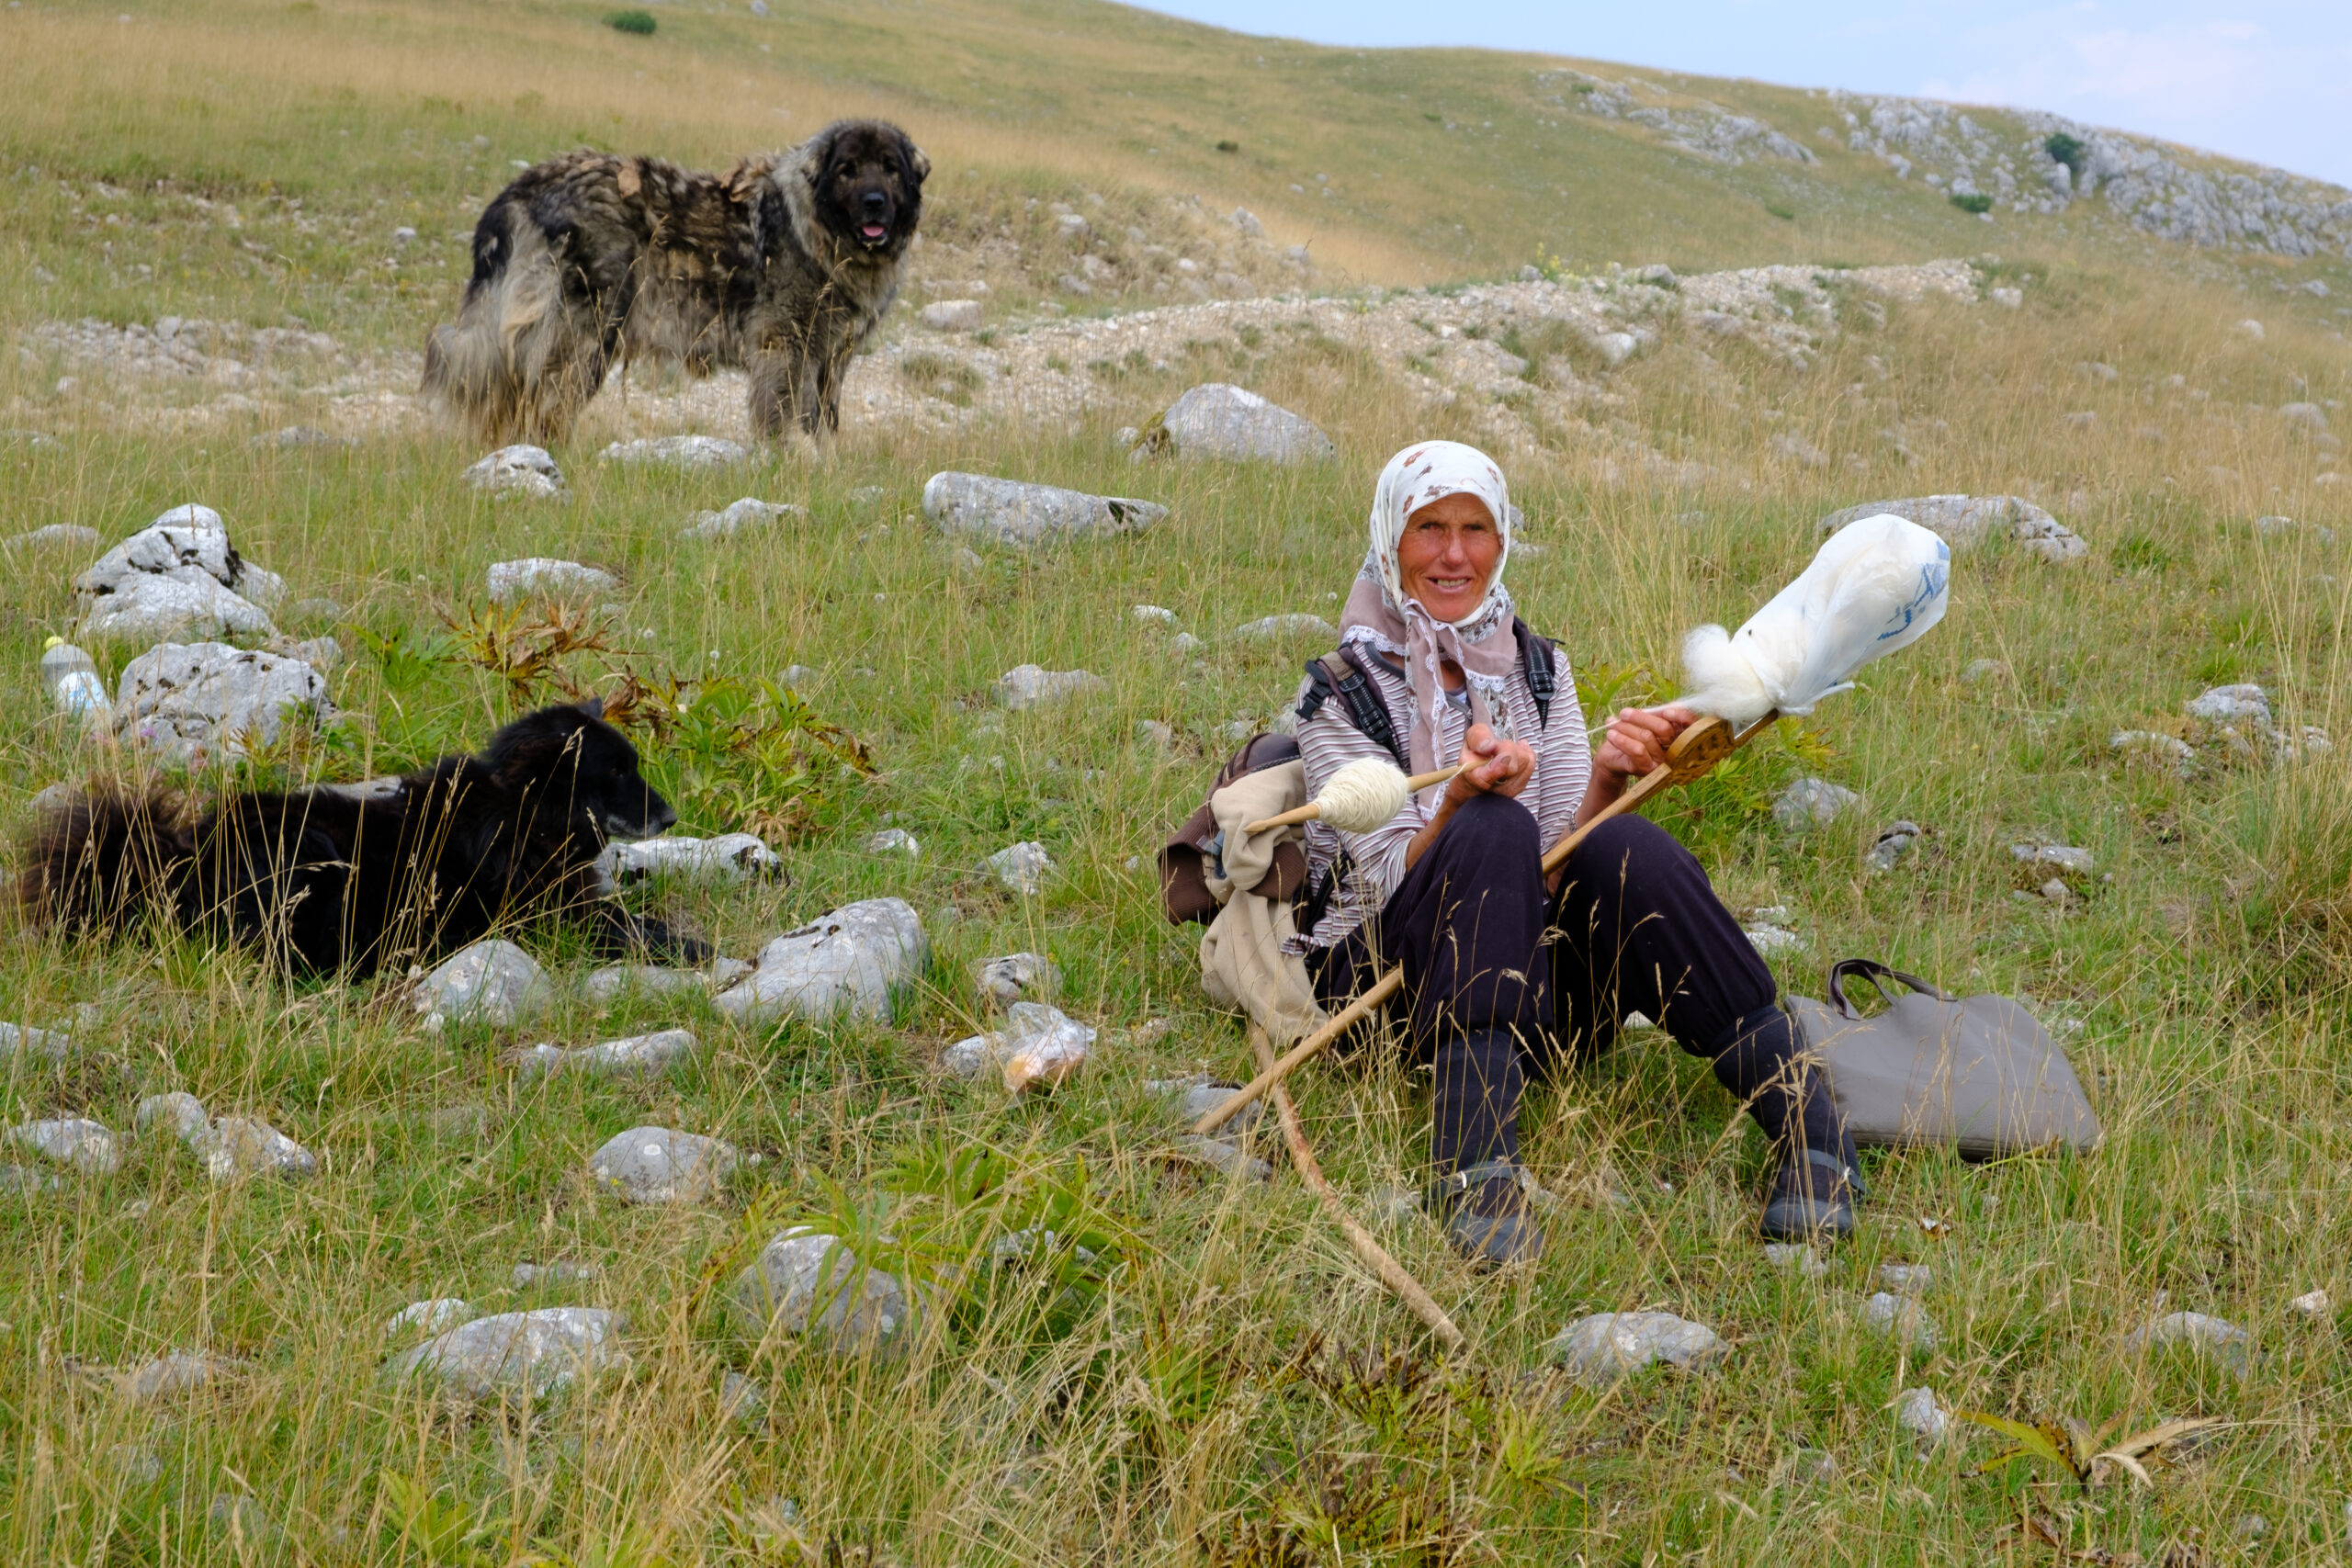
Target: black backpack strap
1535	658
1337	674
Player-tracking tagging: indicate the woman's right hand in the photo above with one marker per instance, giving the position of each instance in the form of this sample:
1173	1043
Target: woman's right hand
1491	765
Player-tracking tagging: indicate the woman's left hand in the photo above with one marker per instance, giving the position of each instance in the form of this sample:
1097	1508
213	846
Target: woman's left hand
1637	741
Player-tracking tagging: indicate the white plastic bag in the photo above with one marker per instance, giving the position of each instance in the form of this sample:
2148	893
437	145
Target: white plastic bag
1875	585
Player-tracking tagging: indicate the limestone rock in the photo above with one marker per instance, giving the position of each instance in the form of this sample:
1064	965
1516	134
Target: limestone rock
177	576
1902	1316
237	1147
530	1353
809	1283
23	1040
435	1316
546	577
1598	1350
1797	1256
846	961
1293	625
677	452
192	701
741	1400
518	470
975	1054
179	1113
1812	803
1021	868
2241	704
2060	857
88	1147
729	858
2154	748
1016	978
1043	1045
54	536
615	981
1906	1279
953	315
2206	1335
562	1272
1964	521
1227	1159
172	1373
642	1054
1030	687
492	982
1219	421
2310	1303
661	1164
1011	512
894	842
1195	1099
1615	348
1893	842
1917	1413
749	513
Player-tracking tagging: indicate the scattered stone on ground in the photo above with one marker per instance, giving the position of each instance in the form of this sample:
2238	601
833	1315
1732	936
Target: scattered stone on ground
1185	644
1155	733
1894	842
1011	512
1016	978
2202	1333
2312	1303
1771	941
642	1054
731	857
2243	703
435	1316
1228	1159
894	842
1043	1045
1906	1279
1195	1098
1155	616
1219	421
1984	669
518	470
845	961
973	1054
1902	1316
54	536
177	577
1267	628
194	702
1021	868
23	1039
88	1147
562	1272
1029	686
1810	803
175	1373
953	315
2149	748
1798	1255
1598	1350
530	1353
235	1147
677	452
546	577
741	1400
1964	521
615	981
661	1165
2063	858
178	1112
243	1520
137	1464
809	1283
492	982
294	436
1917	1413
751	512
27	1178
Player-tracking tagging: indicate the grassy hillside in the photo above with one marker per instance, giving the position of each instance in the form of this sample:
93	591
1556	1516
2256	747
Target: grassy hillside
1232	1387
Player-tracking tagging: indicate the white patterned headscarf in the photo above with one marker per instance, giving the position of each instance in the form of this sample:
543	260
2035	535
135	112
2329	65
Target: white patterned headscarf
1379	613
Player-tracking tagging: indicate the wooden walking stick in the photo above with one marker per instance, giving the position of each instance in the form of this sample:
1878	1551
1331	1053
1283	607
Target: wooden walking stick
1695	751
1391	1273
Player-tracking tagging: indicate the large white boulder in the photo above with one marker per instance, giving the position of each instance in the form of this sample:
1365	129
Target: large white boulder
530	1353
1963	521
678	452
804	1282
547	577
518	470
179	575
493	981
844	962
1237	425
195	700
1012	512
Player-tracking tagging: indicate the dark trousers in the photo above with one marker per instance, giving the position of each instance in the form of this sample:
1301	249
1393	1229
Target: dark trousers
1634	927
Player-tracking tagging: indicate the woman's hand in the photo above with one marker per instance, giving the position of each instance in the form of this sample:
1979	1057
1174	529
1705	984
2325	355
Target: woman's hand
1490	766
1636	743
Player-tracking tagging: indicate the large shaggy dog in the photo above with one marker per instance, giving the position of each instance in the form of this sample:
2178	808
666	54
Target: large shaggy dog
782	267
358	877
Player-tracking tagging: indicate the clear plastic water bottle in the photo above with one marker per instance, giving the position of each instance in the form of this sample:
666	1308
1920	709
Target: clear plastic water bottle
72	679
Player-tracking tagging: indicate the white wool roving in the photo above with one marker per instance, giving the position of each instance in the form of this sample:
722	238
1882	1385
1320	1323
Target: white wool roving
1875	585
1363	796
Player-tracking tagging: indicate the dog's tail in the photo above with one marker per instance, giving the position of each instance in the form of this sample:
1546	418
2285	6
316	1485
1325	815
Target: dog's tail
106	861
497	370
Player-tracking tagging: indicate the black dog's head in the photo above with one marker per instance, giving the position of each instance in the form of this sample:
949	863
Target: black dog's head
866	178
579	770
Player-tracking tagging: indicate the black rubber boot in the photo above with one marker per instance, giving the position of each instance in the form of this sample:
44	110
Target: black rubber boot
1812	1199
1474	1142
1813	1192
1485	1208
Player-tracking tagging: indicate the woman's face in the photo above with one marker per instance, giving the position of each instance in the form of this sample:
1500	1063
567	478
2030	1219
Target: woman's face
1447	556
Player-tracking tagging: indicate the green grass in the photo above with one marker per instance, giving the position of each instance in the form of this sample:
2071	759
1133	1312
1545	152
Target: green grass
1242	1391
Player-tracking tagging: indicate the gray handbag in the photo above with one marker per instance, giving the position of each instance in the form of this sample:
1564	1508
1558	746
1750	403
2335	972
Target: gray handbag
1977	1072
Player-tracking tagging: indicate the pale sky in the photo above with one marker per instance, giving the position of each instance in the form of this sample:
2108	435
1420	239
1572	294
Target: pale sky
2268	80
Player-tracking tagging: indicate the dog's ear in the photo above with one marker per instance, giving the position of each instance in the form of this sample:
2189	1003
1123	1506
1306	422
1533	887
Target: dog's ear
916	159
593	707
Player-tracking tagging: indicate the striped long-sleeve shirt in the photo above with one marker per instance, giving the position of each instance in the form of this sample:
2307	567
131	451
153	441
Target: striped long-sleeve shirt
1330	740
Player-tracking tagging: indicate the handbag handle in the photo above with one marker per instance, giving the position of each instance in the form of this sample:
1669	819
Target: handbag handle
1870	969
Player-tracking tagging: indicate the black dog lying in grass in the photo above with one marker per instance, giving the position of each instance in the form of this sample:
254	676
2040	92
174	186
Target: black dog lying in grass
358	877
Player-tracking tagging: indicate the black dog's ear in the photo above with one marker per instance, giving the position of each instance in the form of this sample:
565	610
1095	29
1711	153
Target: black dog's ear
593	707
916	159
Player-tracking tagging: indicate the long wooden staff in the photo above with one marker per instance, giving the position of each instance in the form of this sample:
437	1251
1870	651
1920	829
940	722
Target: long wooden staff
1694	752
1391	1273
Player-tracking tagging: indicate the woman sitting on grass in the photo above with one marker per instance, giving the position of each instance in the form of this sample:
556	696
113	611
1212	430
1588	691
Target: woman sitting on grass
1453	889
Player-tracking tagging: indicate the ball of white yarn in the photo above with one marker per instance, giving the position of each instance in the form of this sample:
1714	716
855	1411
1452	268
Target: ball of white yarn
1363	796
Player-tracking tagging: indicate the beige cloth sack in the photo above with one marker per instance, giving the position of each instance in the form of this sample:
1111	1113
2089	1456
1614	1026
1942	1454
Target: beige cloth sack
1242	962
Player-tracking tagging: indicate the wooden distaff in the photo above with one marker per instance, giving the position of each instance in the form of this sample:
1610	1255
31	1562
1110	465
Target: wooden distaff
1694	752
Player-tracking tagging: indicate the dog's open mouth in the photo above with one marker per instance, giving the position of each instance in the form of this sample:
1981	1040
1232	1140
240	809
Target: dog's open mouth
620	828
873	234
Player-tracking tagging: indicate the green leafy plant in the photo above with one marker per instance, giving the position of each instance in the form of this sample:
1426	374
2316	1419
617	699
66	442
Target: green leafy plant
2067	150
751	754
443	1532
1972	201
406	657
527	644
2086	1457
640	24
